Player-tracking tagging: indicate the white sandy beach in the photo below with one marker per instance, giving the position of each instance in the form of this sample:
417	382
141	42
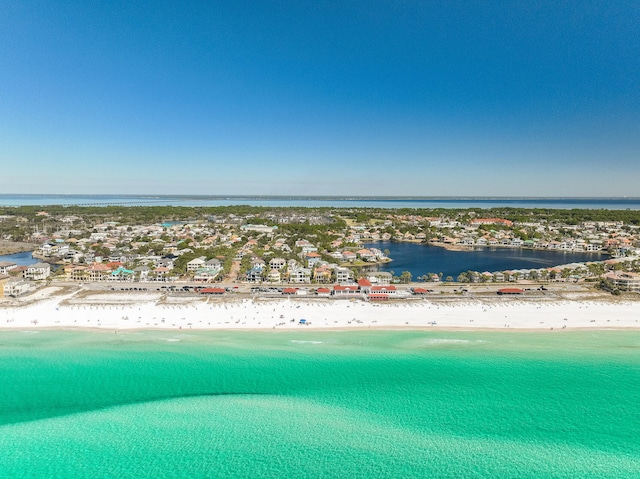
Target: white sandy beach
58	308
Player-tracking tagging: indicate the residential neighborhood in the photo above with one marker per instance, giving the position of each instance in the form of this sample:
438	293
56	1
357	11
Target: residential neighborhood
301	247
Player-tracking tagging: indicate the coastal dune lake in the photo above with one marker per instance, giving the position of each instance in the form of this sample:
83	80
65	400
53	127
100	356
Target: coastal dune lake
420	259
369	404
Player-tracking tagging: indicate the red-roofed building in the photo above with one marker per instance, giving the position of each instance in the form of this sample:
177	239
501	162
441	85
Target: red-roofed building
510	291
289	290
349	290
365	285
212	291
323	291
378	297
420	291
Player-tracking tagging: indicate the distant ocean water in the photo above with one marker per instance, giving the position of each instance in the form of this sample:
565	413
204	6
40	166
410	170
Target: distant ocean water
320	201
320	404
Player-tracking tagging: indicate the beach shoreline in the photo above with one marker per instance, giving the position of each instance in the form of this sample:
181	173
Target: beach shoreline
56	307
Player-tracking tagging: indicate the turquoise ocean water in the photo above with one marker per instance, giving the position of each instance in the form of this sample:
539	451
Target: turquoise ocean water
320	404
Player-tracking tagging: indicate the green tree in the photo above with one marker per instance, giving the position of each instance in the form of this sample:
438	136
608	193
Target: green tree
405	277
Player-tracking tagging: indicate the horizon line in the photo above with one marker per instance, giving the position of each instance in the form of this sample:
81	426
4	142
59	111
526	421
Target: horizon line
323	197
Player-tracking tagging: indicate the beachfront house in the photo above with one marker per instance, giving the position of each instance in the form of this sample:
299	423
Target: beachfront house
142	273
274	276
322	274
16	287
254	275
38	271
6	266
98	272
624	281
122	274
300	275
207	270
161	274
344	275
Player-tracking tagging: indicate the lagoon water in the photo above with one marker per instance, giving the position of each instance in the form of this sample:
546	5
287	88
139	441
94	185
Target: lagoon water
420	259
320	404
21	259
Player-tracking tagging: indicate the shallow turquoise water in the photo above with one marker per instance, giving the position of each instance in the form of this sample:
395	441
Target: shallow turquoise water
320	404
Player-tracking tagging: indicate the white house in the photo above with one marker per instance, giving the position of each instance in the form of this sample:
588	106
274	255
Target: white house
16	287
195	264
38	271
300	275
6	266
344	275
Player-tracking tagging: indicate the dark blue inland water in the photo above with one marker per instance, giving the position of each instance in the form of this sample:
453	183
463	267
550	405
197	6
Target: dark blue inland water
420	259
21	259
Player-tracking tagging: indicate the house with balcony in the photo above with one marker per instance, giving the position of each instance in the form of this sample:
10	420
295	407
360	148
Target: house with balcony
254	275
274	276
6	266
344	275
98	272
277	263
195	264
624	281
38	271
322	273
17	287
141	273
349	256
366	254
300	275
312	259
161	274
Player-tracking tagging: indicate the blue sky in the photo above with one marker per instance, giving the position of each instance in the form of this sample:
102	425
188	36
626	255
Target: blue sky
338	98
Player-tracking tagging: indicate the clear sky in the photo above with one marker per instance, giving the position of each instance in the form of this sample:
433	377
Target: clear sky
429	98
